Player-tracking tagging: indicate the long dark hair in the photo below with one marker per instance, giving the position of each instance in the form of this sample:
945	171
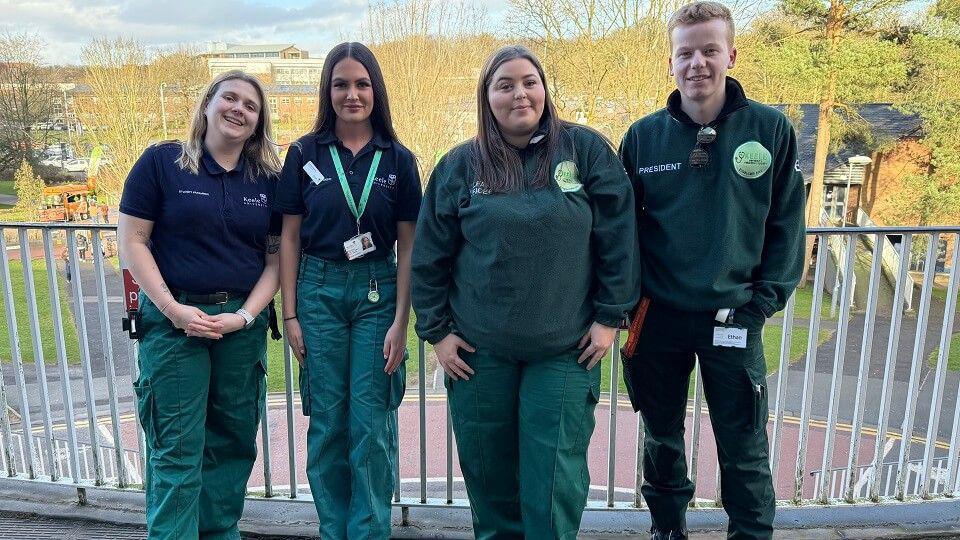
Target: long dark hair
498	166
380	116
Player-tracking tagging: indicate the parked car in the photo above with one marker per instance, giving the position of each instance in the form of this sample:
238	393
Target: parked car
76	165
52	161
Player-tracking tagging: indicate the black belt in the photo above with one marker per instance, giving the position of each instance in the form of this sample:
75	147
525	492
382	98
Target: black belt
211	298
223	298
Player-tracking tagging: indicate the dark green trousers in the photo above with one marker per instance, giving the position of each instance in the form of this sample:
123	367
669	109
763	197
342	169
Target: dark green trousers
523	426
351	402
734	385
200	402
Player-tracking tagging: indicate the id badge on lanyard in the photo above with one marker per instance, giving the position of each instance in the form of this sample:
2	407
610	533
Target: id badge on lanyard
362	243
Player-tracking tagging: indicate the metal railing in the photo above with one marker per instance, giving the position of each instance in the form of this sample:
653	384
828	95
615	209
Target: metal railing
849	395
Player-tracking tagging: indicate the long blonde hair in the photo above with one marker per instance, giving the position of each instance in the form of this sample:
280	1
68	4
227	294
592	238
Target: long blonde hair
259	150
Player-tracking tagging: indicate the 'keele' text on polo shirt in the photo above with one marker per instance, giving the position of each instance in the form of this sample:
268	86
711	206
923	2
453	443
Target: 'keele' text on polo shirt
660	168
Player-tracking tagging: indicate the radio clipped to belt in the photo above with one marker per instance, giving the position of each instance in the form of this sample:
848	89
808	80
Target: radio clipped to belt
131	298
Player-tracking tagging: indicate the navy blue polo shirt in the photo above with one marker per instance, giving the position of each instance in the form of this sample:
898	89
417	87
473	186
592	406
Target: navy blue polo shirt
209	229
327	220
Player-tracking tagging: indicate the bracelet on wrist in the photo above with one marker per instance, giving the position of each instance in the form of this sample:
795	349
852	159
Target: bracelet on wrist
285	319
165	306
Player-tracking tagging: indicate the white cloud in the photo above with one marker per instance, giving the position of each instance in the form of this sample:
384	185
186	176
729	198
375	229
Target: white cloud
67	25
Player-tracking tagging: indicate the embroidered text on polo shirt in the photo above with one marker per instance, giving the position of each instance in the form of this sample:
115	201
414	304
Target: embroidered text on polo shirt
191	192
253	201
660	168
390	182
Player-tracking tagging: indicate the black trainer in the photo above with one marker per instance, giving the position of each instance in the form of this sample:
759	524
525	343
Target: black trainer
657	534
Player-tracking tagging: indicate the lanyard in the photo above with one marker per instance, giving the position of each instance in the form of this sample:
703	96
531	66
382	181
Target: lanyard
357	212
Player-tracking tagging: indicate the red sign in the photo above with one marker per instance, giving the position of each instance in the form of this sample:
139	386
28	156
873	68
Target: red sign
130	290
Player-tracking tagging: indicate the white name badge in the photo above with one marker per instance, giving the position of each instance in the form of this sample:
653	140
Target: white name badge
313	172
358	246
729	337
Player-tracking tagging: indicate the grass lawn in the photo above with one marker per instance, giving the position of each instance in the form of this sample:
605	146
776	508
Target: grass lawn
804	304
45	314
940	293
953	357
6	188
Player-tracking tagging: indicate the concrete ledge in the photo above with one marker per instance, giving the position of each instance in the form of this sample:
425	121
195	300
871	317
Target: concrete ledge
286	518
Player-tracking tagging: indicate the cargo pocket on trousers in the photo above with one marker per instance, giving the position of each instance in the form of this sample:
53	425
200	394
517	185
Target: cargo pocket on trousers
146	410
305	390
398	384
587	419
758	392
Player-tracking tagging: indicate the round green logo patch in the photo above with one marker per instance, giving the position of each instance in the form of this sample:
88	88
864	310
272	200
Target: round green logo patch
751	159
567	177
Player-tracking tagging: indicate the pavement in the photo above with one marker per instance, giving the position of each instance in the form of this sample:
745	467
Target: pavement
33	510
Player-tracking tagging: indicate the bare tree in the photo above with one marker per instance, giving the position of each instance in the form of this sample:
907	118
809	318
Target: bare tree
123	108
607	59
431	54
27	97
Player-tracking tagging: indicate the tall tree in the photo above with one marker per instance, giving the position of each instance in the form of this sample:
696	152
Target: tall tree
851	63
124	105
430	52
29	189
27	97
933	45
606	59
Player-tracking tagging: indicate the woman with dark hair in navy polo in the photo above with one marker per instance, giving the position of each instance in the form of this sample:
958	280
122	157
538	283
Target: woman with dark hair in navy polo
348	191
197	232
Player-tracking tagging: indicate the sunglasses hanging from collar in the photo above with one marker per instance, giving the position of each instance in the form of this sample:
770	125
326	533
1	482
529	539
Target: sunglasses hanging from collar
699	157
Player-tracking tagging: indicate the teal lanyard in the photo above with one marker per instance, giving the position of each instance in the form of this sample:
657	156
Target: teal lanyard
357	212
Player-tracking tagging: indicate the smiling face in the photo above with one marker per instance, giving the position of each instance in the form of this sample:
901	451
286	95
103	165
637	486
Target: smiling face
701	55
351	93
516	96
233	112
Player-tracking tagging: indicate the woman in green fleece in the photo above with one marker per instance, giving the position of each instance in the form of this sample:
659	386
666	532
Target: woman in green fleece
523	267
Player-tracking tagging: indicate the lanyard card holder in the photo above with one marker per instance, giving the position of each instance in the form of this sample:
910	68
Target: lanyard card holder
362	243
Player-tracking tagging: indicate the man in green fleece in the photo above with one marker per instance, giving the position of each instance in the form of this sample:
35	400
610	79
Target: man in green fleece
720	202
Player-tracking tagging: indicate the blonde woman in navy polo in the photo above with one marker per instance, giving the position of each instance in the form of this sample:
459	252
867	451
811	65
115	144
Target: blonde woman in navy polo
198	234
349	191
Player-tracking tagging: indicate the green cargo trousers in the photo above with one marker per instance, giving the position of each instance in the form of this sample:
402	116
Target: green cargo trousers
523	426
351	402
734	385
199	402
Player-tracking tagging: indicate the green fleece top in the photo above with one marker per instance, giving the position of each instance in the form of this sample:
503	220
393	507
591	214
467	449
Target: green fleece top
728	235
527	272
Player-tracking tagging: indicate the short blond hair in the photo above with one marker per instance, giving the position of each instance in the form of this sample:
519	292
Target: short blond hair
698	12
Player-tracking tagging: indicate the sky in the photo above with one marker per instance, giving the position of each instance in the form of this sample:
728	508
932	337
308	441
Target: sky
66	26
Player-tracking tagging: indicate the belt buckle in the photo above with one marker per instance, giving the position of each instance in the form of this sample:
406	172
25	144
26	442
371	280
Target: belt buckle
222	297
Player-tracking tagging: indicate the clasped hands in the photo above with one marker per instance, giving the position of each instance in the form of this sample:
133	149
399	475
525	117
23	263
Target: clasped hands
196	323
